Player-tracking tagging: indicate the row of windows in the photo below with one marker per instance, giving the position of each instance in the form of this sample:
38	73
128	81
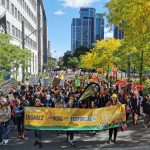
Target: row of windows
33	3
27	9
12	30
17	14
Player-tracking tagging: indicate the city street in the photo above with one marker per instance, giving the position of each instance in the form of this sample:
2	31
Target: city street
134	138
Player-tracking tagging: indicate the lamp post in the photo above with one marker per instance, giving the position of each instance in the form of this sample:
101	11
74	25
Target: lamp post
23	44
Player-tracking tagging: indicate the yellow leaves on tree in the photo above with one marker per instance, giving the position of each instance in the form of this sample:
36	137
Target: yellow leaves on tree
103	55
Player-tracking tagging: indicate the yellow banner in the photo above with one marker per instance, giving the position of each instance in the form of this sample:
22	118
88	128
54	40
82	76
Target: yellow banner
41	118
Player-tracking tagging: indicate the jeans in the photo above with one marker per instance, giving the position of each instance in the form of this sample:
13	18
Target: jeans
71	134
1	131
5	126
37	134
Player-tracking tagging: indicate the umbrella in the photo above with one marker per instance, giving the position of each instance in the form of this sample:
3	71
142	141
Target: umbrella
122	82
138	86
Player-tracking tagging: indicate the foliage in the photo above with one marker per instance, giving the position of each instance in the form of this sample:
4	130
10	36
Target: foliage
80	51
133	17
12	56
65	60
52	63
73	62
103	55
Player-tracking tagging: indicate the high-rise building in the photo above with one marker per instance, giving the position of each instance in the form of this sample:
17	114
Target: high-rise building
19	12
118	34
84	29
75	34
42	32
99	27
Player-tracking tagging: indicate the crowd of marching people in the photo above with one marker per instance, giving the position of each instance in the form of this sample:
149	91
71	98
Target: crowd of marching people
67	96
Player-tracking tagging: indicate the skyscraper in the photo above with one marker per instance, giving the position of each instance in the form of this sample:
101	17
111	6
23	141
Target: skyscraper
83	29
99	27
118	34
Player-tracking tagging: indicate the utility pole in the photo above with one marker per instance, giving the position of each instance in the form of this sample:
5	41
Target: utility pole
23	46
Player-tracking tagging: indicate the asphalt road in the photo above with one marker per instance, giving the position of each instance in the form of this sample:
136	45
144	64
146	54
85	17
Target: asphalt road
134	138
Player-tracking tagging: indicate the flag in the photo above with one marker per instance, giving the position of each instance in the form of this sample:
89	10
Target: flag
89	90
3	28
61	77
77	83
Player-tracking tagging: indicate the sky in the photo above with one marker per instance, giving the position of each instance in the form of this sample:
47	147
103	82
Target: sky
59	15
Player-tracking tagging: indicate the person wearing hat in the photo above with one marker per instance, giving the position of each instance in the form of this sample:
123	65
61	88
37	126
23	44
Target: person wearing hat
113	101
5	115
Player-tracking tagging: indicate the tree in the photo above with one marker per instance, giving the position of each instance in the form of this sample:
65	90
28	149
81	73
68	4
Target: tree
103	55
52	63
73	62
133	17
65	60
12	56
80	51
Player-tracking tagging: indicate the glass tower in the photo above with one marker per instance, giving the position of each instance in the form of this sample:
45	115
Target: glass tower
99	27
83	29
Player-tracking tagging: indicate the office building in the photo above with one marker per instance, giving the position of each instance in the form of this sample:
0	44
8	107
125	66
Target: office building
118	34
84	30
99	27
19	12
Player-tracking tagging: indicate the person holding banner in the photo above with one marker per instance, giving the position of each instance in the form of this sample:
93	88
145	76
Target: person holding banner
37	133
19	115
70	134
113	101
5	115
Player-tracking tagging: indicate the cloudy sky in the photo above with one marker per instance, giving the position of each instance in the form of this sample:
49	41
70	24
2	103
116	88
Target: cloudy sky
59	16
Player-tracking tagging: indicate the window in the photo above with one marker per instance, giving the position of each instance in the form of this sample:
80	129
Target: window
15	12
13	30
19	34
23	3
8	4
8	27
3	2
16	32
19	17
12	9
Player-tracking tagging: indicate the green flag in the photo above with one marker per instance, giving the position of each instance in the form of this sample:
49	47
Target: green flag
77	83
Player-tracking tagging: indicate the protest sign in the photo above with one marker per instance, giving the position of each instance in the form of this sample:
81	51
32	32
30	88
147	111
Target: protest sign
56	82
40	118
33	80
7	86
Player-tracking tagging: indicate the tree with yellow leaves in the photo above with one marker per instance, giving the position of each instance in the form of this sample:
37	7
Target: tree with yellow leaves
103	55
133	17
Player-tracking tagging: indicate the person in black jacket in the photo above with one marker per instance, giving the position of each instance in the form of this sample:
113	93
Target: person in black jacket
146	110
70	134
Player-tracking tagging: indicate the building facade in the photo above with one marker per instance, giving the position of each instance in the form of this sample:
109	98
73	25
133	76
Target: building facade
118	34
18	11
86	29
99	27
42	32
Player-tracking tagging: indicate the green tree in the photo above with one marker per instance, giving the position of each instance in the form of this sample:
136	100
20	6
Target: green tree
12	56
73	62
80	51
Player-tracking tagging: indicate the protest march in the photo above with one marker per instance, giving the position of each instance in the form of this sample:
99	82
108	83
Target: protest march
85	103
